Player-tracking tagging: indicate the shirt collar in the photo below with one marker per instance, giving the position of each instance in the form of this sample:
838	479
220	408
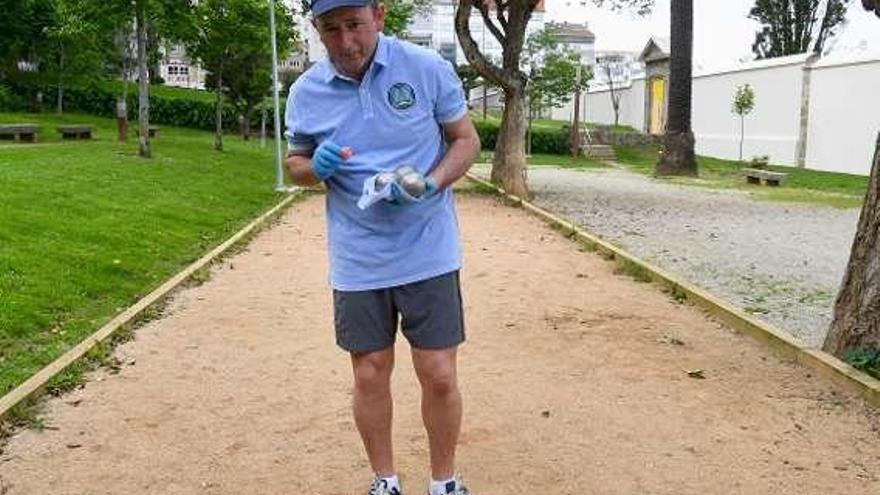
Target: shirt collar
381	58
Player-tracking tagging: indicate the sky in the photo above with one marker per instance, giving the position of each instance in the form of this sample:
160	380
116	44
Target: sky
723	33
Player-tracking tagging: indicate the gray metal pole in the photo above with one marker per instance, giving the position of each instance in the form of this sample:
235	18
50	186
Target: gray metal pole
279	171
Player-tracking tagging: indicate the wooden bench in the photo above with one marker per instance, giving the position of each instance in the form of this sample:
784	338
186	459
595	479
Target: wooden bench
21	132
756	176
76	131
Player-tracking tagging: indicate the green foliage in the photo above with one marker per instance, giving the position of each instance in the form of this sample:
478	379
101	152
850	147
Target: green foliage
399	13
9	101
553	71
789	27
743	100
174	106
641	7
233	44
864	358
544	140
488	131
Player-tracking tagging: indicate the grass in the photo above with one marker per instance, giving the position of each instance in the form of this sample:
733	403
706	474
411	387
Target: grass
801	185
88	227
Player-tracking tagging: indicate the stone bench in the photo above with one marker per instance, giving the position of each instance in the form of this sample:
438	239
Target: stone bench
21	132
76	131
152	131
756	176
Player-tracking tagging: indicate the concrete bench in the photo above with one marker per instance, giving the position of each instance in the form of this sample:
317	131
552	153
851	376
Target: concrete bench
756	176
76	131
21	132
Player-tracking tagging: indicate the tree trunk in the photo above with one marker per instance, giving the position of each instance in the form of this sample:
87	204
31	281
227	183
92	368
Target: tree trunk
856	320
509	164
143	82
60	102
678	154
263	127
218	118
742	135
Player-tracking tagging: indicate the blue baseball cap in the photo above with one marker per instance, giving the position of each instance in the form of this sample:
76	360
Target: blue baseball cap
319	7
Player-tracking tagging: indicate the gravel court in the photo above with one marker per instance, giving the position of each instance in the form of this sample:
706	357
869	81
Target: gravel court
575	382
782	262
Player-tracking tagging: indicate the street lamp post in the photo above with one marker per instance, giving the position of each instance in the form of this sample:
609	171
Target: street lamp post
279	171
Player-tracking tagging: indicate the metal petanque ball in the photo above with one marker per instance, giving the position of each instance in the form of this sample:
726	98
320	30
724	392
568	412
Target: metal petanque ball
383	179
413	184
404	170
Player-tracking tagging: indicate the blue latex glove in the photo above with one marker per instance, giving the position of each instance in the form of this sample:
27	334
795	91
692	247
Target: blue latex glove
402	198
327	158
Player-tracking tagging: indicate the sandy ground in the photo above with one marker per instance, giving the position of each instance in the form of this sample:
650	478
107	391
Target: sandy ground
572	383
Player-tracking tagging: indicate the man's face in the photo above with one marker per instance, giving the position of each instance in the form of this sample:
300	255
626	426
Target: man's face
350	35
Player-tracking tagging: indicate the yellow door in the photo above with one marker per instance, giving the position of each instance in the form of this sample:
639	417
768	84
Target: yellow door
658	103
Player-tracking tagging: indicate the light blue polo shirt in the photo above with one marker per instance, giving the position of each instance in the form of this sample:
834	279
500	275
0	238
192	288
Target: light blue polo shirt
392	117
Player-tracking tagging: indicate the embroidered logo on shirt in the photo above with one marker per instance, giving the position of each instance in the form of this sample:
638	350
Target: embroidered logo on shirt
401	96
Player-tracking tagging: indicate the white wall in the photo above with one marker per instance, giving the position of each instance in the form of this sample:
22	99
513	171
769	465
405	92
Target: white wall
772	127
844	115
596	106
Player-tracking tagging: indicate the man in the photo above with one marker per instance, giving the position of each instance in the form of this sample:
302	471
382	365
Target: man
375	104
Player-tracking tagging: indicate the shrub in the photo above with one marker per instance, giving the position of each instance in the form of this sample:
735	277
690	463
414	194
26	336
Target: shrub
172	106
9	101
550	141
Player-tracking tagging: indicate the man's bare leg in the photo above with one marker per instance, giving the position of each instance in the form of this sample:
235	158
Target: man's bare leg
373	406
441	406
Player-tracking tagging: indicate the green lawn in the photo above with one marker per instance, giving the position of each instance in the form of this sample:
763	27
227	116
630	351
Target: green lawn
88	227
801	185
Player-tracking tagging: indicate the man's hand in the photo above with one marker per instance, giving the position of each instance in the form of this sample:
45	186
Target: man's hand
400	197
327	158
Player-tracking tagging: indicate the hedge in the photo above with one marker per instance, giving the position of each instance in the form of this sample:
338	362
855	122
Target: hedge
179	107
549	141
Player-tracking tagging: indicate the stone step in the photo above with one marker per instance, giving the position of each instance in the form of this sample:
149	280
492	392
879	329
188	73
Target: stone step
600	152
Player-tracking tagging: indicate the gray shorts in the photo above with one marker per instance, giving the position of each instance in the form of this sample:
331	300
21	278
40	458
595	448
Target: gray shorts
429	312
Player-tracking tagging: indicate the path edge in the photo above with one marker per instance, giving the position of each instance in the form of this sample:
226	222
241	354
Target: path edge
33	385
782	343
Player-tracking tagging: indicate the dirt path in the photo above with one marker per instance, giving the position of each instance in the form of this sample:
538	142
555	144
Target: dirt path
571	385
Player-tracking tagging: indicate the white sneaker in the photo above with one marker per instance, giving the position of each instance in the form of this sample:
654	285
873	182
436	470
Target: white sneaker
456	487
380	487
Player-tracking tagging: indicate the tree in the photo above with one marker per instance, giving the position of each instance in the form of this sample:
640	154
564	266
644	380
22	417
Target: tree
172	20
790	27
677	156
552	74
470	78
872	5
398	14
73	50
508	27
612	67
743	104
856	322
233	45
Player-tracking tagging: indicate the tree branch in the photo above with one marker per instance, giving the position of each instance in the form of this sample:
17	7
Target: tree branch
475	58
484	11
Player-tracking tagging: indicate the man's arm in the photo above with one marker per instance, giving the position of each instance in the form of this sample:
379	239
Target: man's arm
299	167
463	146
